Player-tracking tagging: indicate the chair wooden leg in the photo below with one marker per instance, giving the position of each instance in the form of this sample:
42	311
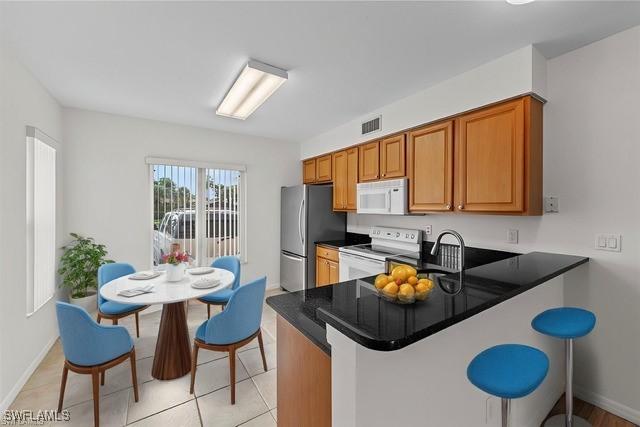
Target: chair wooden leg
208	311
194	364
134	373
96	396
261	344
232	373
99	318
137	325
115	320
222	307
63	385
102	377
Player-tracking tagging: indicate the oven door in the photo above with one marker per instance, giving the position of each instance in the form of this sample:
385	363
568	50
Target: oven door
374	200
355	266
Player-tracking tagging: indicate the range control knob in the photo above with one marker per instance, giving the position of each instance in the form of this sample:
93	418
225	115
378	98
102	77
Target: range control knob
406	236
397	234
413	236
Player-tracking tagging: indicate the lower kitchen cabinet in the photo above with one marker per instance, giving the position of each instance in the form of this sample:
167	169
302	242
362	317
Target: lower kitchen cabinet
303	380
327	266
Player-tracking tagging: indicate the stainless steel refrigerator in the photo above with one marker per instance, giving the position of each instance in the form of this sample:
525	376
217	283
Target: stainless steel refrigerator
306	217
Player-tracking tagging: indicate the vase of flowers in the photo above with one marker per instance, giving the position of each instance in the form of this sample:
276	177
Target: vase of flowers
176	265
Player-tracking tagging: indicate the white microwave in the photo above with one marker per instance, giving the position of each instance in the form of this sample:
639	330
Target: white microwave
383	197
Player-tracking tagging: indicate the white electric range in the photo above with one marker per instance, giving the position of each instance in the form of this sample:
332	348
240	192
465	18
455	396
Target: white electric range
365	260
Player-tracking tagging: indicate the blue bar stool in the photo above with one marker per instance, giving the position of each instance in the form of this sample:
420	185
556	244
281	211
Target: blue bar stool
566	323
508	371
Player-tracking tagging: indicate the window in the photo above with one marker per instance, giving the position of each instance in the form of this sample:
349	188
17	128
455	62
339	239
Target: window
198	208
41	218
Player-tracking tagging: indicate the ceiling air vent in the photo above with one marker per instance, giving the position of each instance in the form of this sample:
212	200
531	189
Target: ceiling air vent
372	125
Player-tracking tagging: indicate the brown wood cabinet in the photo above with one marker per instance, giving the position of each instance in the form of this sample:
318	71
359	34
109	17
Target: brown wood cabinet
309	171
430	159
392	157
345	179
369	161
323	168
499	159
303	380
327	266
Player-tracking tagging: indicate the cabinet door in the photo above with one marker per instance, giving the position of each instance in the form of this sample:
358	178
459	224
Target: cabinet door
369	164
352	178
334	277
322	272
340	172
309	171
323	168
430	161
490	159
392	160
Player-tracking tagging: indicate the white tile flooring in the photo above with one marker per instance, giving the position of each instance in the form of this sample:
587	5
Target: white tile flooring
166	403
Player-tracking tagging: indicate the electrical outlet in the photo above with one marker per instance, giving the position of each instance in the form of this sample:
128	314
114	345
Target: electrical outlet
512	236
609	242
427	229
551	204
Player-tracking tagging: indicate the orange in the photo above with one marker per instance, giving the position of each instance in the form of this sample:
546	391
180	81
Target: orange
390	288
413	280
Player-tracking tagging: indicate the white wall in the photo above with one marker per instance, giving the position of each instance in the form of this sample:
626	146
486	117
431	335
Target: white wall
591	151
107	189
24	340
514	74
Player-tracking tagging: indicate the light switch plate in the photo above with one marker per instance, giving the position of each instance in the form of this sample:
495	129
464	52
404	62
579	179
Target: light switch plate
551	204
609	242
512	236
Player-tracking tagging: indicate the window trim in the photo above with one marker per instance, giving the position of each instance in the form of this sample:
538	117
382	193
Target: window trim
200	196
32	135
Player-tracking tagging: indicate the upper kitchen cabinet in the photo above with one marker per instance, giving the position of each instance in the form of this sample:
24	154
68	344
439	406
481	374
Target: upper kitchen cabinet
499	159
309	171
323	168
392	157
430	167
345	179
369	161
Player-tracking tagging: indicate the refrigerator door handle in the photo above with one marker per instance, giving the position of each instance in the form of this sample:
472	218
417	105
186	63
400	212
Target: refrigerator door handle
293	258
300	222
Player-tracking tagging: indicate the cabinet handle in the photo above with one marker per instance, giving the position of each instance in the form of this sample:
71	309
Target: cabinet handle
461	206
384	174
448	207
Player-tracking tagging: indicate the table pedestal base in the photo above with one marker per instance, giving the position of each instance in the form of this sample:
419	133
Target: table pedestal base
172	358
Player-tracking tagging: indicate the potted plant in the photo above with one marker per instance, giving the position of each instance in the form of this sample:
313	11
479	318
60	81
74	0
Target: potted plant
79	269
176	265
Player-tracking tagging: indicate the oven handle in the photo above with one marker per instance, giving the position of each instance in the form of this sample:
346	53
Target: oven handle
346	256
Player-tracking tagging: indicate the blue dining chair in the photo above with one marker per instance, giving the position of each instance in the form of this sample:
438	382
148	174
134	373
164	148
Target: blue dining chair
232	264
90	348
114	310
233	328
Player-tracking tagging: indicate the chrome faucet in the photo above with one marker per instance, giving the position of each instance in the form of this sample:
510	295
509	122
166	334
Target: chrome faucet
436	248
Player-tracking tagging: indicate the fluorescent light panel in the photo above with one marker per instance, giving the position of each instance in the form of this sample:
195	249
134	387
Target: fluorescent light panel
255	84
517	2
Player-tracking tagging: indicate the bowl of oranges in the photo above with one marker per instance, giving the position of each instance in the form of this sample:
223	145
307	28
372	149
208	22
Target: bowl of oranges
403	285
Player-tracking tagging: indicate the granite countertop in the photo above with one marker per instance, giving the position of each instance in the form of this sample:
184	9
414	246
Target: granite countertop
349	240
355	309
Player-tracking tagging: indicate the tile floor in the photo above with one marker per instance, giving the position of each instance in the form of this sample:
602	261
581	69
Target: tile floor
166	402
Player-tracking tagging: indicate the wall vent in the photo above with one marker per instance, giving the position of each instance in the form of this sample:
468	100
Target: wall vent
372	125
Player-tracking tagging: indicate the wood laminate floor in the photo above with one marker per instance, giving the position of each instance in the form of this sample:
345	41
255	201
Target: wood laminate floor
596	416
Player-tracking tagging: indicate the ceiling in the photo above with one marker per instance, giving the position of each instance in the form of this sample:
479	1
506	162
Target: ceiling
174	61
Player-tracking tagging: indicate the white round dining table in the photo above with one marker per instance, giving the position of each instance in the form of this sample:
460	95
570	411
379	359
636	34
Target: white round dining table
172	357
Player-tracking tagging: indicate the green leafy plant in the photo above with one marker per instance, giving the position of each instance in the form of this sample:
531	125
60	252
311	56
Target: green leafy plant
79	265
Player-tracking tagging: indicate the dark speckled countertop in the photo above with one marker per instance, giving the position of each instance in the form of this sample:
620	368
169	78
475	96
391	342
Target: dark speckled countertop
349	239
355	309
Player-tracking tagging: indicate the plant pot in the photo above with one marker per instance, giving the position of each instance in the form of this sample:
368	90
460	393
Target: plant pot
175	273
89	303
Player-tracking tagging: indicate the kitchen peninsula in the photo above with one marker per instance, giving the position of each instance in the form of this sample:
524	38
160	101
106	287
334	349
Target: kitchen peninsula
393	364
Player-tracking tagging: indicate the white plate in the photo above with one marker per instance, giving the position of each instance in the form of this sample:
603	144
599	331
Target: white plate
208	284
145	275
201	270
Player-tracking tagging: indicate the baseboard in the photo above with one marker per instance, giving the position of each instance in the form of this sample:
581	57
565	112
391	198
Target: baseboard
273	286
608	405
13	393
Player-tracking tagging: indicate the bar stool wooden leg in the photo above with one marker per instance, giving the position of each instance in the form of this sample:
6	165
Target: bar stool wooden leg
63	385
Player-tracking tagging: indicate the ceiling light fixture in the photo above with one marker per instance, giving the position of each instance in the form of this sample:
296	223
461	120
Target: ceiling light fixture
517	2
255	84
